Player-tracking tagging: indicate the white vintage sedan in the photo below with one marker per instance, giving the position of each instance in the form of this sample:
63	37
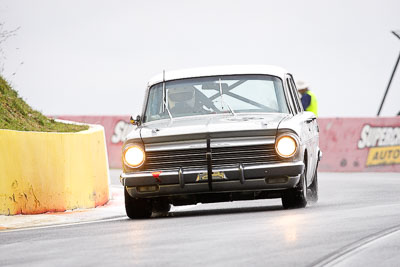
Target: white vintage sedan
220	134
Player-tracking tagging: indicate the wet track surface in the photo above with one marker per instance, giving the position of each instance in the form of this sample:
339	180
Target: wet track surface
355	223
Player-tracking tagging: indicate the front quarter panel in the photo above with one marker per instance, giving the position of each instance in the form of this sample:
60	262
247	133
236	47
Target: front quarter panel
134	135
302	125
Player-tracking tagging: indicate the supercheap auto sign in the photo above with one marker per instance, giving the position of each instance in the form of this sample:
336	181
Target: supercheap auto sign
360	144
383	144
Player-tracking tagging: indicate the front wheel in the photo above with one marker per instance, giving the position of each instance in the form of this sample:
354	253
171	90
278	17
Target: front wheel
296	197
137	208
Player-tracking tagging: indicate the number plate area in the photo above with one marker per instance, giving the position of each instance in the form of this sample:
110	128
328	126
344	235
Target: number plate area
216	176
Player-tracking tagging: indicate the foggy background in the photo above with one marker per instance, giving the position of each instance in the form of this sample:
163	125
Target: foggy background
95	57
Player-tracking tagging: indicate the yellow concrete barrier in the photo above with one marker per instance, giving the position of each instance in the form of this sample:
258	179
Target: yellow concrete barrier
41	171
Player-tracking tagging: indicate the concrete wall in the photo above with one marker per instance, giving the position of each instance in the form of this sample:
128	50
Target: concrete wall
41	172
116	128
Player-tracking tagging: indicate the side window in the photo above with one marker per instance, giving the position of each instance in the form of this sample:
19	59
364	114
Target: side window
292	97
297	96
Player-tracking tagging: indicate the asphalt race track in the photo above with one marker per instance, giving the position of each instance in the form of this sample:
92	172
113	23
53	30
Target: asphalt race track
355	223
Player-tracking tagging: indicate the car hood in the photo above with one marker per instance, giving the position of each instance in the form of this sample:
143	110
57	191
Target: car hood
213	126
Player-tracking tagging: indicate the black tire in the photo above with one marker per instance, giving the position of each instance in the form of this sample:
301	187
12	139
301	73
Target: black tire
296	197
137	208
313	189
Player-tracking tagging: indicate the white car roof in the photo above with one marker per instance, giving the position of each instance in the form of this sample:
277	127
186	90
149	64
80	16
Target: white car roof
219	70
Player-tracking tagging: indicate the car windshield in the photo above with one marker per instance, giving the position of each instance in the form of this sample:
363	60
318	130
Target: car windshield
214	95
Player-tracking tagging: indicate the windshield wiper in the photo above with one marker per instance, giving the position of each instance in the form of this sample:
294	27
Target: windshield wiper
165	106
222	99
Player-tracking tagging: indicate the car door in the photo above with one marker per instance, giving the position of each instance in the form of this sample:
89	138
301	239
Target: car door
308	129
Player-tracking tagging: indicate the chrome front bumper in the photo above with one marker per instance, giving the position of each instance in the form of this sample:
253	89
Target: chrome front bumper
275	176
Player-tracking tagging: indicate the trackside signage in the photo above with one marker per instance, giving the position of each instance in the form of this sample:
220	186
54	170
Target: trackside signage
383	144
120	131
347	144
360	144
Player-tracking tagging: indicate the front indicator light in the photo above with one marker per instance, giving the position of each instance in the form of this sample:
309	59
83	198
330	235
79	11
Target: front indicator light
134	156
286	146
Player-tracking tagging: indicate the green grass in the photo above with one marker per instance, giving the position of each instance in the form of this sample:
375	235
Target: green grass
15	114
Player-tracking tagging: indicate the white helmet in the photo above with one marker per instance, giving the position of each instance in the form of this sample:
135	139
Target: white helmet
301	85
180	95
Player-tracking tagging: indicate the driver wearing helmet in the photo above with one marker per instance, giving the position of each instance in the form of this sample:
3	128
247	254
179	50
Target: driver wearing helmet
181	100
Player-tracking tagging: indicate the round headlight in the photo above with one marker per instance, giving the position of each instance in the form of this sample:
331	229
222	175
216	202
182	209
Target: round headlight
134	156
286	146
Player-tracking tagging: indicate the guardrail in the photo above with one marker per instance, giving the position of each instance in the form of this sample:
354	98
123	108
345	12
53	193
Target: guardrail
348	144
42	171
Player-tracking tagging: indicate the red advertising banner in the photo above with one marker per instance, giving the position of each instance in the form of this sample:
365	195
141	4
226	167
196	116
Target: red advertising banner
360	144
347	144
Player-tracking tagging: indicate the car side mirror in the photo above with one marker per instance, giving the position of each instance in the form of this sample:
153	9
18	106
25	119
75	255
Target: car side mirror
136	121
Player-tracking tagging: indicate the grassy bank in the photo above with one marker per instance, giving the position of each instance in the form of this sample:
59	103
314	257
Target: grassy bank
15	114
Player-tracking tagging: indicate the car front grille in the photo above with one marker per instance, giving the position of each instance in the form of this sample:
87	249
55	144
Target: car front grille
221	157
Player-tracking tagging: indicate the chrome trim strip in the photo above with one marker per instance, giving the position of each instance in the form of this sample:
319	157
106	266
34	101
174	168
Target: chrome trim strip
242	141
205	159
195	144
181	178
204	170
215	143
241	171
275	165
